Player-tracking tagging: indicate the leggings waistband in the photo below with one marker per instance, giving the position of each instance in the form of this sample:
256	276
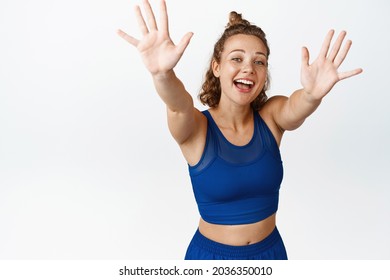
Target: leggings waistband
236	251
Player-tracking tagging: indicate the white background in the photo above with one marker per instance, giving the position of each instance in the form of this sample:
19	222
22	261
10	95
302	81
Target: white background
88	169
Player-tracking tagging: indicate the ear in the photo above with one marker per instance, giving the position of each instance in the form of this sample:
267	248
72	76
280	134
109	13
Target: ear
215	67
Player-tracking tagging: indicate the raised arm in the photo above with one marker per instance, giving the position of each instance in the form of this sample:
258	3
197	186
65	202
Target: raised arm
317	80
160	55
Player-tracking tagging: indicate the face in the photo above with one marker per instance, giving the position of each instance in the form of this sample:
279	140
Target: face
242	70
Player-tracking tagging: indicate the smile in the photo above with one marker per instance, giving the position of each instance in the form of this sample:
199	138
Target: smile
244	84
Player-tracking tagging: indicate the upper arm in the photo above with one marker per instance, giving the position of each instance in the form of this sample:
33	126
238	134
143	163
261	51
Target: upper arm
281	111
189	129
184	125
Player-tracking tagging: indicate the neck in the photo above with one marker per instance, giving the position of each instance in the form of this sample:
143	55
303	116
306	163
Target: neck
234	117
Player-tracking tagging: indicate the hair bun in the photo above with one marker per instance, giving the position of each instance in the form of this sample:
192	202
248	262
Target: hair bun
236	19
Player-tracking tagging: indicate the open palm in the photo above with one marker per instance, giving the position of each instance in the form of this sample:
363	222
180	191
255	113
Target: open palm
156	48
319	77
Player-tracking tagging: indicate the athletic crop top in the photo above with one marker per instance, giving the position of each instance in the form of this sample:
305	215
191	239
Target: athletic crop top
237	184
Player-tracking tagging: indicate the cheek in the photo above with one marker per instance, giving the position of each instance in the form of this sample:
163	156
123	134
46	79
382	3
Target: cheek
262	79
229	65
227	73
262	75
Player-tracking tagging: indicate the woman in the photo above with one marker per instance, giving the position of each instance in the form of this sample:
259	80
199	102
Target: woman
232	148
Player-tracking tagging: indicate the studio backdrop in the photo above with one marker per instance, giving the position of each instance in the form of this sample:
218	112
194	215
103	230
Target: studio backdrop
88	169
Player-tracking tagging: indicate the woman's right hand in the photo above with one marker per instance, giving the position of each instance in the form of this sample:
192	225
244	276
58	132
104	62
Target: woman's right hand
158	52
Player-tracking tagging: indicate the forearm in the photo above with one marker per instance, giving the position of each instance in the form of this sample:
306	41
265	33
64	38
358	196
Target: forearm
297	108
172	92
180	106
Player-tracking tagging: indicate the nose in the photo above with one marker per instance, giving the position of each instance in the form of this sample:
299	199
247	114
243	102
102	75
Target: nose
248	67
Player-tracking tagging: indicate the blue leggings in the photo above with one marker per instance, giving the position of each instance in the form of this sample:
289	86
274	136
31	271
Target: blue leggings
270	248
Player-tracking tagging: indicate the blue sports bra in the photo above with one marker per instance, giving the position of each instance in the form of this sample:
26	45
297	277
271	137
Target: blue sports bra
237	184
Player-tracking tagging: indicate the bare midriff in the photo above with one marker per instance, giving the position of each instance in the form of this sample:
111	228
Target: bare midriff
238	235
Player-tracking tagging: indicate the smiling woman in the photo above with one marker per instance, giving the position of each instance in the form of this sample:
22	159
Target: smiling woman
238	30
242	66
232	149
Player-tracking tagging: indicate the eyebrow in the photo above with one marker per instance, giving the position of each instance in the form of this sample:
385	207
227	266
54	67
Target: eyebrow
241	50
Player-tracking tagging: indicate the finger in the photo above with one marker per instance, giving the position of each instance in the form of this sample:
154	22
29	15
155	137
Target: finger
349	74
343	54
184	42
150	15
326	44
128	38
305	56
141	21
164	17
337	45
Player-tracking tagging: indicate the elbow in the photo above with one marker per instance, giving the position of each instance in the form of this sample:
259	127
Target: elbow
293	125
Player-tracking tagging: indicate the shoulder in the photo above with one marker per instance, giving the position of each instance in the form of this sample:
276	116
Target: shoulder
193	146
268	111
273	106
275	102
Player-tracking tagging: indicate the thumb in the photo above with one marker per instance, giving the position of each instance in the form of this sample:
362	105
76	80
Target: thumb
184	42
305	56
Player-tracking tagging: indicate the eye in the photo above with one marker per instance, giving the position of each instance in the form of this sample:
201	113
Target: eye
260	62
237	59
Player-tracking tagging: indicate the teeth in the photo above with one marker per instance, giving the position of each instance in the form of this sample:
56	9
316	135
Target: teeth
244	82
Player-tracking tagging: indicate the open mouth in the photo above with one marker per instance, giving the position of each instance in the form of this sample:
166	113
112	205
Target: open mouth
244	84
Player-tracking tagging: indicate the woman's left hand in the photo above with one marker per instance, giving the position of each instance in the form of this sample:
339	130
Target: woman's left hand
319	77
